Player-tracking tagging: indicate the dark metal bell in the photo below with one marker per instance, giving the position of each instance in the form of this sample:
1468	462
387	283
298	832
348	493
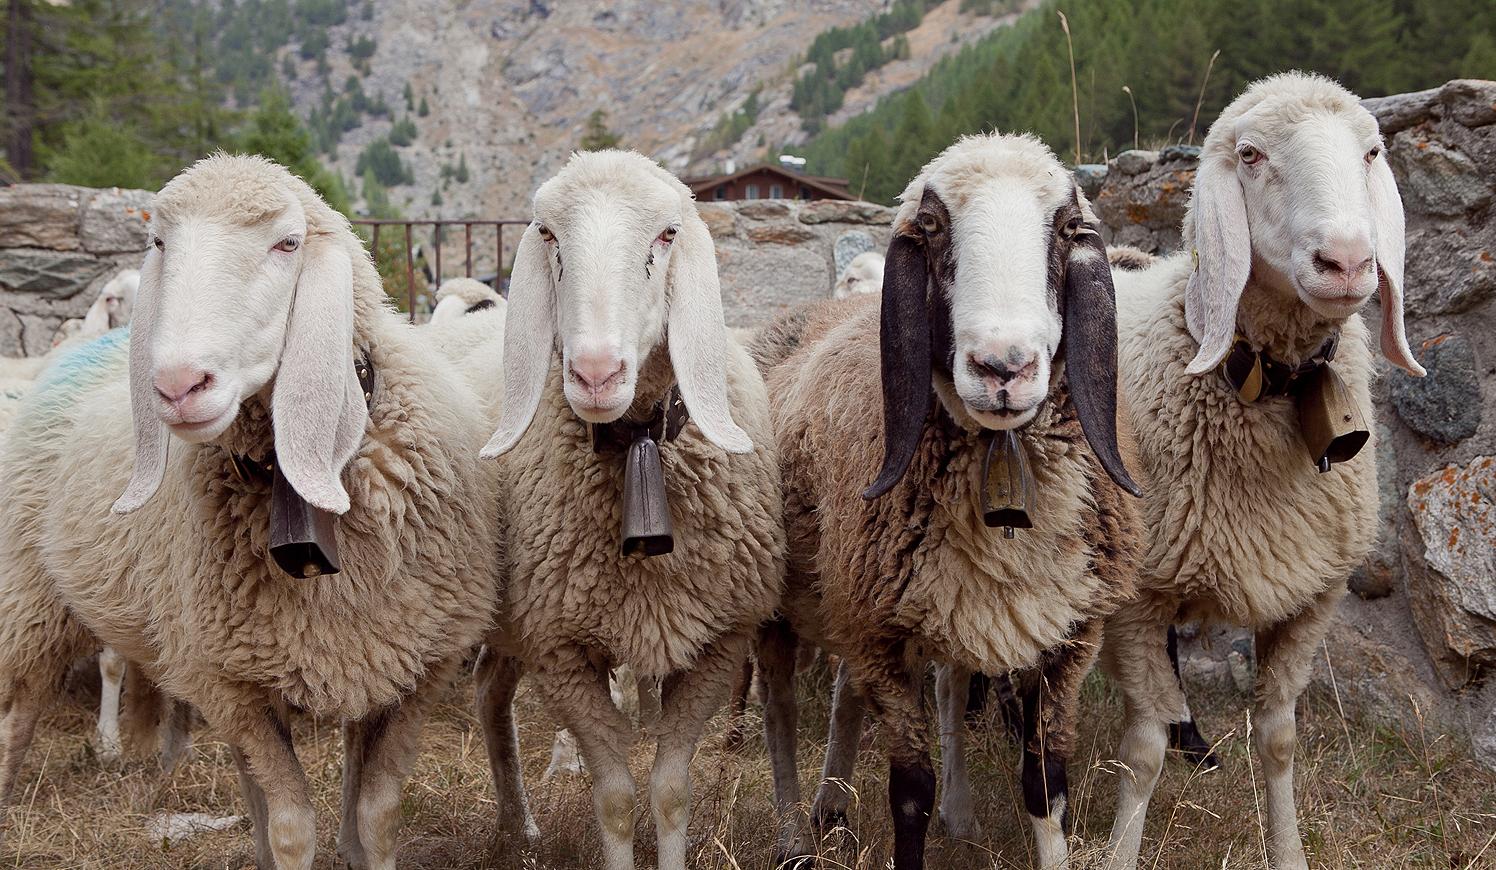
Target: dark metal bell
303	538
1329	420
646	509
1008	486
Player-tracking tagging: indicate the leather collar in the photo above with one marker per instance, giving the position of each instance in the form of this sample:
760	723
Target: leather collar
666	419
1254	374
246	469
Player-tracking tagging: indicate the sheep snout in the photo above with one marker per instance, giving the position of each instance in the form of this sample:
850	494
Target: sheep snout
192	400
1002	383
599	385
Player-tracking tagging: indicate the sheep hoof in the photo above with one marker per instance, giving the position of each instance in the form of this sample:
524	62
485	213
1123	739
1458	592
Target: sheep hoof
965	829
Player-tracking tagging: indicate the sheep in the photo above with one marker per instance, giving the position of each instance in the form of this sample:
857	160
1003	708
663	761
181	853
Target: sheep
863	275
615	308
459	296
260	329
1245	529
997	299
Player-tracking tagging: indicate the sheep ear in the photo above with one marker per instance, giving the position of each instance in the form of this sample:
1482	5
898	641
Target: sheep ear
904	346
316	377
151	437
1387	223
1090	334
1222	262
529	341
698	336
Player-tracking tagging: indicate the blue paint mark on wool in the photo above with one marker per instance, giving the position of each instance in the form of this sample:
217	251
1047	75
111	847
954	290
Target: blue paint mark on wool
87	363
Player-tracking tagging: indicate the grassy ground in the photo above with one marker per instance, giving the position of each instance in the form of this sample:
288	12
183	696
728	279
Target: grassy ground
1369	797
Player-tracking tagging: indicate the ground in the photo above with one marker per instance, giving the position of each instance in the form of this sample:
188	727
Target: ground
1369	797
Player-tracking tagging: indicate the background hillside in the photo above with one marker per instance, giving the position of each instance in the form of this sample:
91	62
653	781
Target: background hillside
462	107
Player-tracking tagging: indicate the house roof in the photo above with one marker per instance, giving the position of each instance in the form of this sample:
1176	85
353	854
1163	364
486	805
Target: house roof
835	188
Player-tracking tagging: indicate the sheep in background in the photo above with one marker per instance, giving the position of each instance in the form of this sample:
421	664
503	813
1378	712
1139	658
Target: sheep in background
111	310
863	275
614	311
459	296
1294	222
907	570
261	330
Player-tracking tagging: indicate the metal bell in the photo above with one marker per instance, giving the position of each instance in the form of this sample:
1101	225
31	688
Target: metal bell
1329	419
303	538
1008	486
646	509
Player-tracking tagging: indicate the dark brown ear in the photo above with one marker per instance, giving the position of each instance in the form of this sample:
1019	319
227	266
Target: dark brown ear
1090	335
904	342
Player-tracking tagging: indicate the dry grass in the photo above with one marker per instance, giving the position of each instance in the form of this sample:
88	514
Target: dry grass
1370	797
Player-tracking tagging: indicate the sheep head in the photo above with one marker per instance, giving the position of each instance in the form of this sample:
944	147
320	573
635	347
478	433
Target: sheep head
996	273
616	265
864	275
1295	193
247	288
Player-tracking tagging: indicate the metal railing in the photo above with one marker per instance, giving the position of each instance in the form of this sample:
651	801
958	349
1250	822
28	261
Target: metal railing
433	268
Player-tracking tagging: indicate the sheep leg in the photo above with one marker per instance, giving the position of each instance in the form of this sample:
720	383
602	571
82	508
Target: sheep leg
111	685
737	709
577	693
1051	708
259	816
1136	658
290	820
497	680
894	693
175	733
952	686
1285	654
834	794
687	700
777	645
350	846
1184	734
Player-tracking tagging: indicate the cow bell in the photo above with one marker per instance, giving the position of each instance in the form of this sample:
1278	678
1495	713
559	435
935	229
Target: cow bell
1330	420
1008	485
646	509
303	538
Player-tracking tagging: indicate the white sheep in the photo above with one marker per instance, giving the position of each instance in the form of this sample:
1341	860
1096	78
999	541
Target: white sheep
614	309
259	321
1294	222
863	275
459	296
1019	337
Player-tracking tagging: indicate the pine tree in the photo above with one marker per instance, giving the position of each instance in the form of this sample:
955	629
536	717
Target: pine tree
597	136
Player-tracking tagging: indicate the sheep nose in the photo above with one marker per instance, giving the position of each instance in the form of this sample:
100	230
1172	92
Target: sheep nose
1003	369
1345	256
596	370
176	383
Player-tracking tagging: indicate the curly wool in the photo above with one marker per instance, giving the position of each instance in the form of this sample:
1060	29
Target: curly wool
572	587
184	586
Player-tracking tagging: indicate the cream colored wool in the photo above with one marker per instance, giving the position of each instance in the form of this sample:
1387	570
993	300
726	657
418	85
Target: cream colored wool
183	586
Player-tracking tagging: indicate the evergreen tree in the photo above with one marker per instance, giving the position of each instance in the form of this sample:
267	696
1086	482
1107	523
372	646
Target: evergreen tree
597	136
274	131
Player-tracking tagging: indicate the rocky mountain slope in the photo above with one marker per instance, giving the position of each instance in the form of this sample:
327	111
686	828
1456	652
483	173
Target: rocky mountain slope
509	84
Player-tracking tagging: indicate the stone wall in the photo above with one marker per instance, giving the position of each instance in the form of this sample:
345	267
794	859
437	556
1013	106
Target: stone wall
58	245
1422	628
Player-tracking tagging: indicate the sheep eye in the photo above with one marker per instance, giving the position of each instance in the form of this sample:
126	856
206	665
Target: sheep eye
545	233
1249	155
929	224
1372	155
1072	227
288	245
668	235
160	245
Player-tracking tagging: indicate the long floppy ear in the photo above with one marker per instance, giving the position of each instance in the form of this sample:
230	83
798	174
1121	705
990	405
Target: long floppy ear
698	336
529	341
150	433
1387	223
1090	335
1223	261
904	349
316	379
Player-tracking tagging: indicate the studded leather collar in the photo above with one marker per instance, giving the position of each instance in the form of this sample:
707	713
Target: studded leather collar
1255	374
666	420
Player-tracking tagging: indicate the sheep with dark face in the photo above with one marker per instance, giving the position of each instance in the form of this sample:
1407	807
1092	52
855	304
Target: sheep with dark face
1294	222
996	316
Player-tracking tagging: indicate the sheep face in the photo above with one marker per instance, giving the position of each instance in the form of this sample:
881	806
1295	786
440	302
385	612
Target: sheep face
617	266
864	275
995	274
1294	191
247	289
